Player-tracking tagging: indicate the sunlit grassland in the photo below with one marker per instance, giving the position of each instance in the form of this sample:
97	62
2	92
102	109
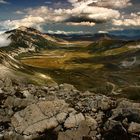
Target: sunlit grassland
59	59
85	69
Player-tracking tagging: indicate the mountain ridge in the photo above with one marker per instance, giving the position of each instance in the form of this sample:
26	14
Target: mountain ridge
95	37
27	40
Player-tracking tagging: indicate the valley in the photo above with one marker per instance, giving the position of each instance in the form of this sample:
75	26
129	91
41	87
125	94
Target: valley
103	72
105	64
59	89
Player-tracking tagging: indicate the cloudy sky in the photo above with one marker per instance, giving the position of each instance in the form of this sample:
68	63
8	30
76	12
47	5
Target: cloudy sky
72	16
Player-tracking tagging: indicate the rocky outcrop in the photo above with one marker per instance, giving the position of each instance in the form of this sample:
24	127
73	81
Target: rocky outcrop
61	112
35	118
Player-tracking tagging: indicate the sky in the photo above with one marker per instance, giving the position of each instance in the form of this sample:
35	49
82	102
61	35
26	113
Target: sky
72	16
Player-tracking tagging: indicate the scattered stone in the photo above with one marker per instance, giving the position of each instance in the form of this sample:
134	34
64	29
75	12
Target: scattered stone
1	84
67	87
91	122
8	82
64	113
127	109
134	128
17	103
78	134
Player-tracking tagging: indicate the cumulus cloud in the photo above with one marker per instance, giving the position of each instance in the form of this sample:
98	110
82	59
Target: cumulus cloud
131	20
28	21
4	40
81	13
3	2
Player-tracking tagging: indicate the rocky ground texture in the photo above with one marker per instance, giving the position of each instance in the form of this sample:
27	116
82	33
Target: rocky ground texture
61	112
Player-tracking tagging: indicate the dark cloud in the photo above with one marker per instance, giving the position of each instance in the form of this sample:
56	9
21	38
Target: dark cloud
85	19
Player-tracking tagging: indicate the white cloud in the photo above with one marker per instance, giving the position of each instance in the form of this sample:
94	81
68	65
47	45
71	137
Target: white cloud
131	20
3	2
28	21
4	40
19	12
1	32
67	32
72	1
81	3
80	14
102	32
81	23
113	3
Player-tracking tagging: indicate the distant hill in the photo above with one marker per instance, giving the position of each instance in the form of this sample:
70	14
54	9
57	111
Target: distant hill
95	37
104	42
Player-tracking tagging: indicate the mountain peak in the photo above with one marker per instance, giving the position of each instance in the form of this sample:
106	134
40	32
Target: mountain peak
22	28
28	29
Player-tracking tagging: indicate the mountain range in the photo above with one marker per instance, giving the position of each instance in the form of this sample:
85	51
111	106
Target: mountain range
96	36
104	58
27	40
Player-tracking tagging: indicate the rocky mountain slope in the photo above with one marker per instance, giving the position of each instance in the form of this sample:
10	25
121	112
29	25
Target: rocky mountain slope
61	112
26	40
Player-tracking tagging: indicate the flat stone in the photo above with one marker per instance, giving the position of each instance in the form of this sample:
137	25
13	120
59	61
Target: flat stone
78	134
74	120
36	118
67	87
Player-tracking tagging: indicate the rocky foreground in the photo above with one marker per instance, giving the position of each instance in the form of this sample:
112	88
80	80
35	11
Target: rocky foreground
60	112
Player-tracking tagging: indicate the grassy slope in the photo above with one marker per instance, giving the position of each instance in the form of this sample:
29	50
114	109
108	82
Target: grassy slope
91	70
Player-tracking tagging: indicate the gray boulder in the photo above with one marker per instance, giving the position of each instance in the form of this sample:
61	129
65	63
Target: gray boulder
39	117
